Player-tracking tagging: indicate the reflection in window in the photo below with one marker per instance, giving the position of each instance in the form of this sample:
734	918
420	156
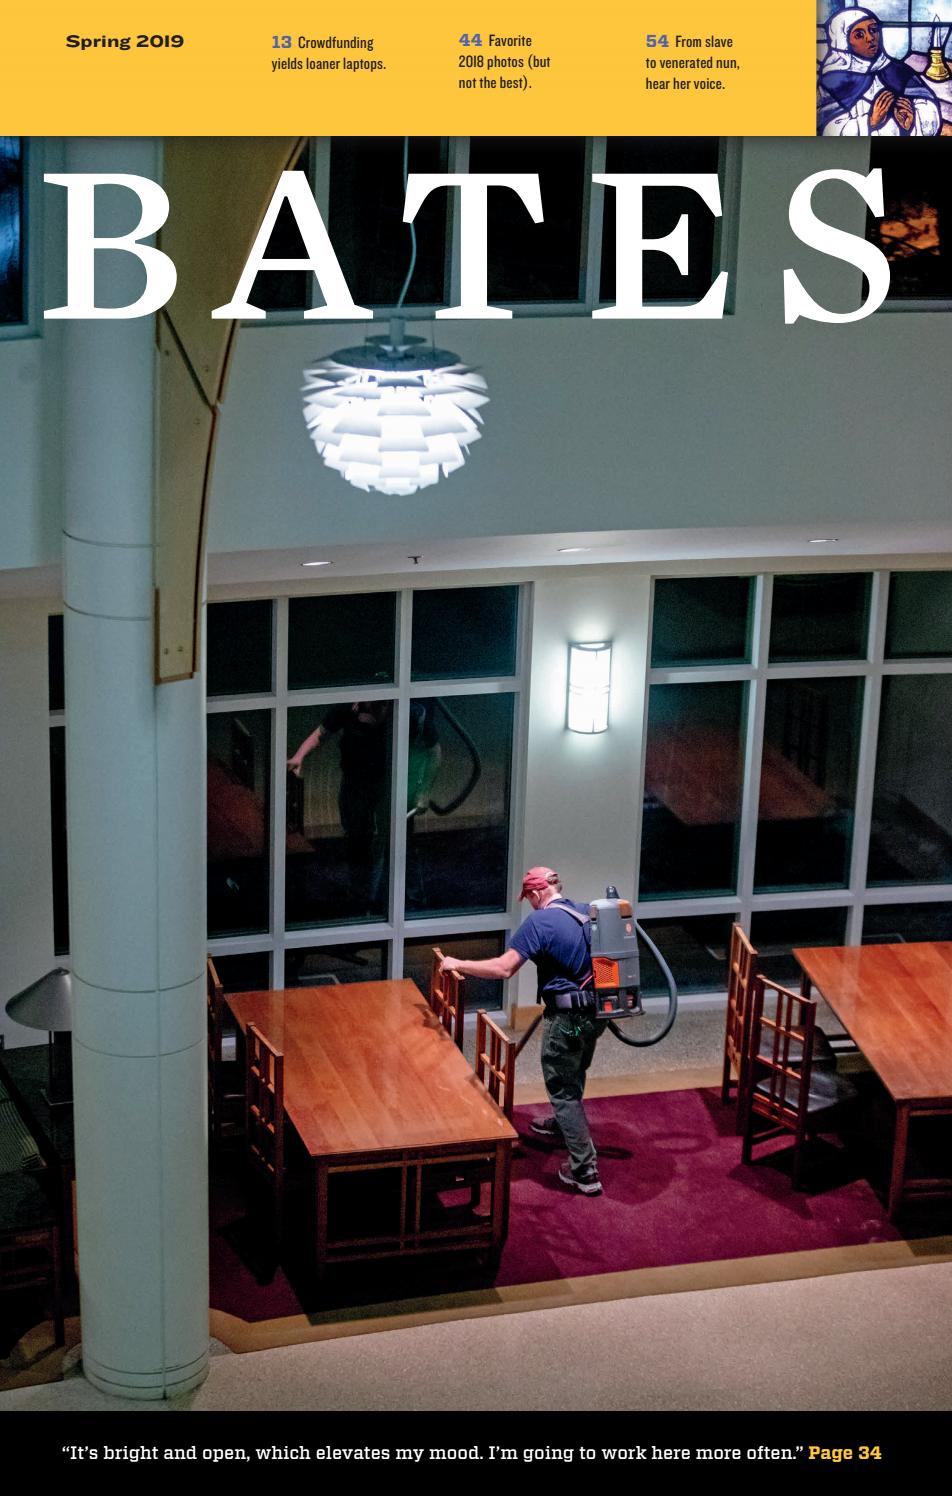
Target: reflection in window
701	621
12	301
693	772
819	617
341	641
366	224
58	825
891	924
464	633
334	965
338	813
663	209
249	972
239	649
776	934
239	772
458	804
696	949
911	840
529	261
808	783
477	991
913	233
919	625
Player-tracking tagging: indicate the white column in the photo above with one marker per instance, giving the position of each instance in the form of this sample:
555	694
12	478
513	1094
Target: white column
136	823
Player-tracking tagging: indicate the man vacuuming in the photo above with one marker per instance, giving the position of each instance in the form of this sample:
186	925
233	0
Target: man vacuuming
556	936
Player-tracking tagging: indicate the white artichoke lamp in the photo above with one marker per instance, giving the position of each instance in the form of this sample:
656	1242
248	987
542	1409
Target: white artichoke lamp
394	415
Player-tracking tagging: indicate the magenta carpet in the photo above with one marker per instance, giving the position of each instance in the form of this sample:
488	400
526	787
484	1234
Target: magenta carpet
675	1192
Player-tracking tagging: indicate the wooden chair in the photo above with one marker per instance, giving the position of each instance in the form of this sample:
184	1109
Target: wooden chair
785	1087
445	997
743	971
264	1129
741	974
495	1061
226	1097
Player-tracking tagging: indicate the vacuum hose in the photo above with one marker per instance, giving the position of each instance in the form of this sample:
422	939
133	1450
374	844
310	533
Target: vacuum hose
672	998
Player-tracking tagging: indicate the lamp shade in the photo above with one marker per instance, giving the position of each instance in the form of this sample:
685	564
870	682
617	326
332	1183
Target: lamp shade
589	687
45	1004
394	415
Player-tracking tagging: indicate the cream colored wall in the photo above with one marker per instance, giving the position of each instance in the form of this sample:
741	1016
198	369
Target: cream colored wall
582	793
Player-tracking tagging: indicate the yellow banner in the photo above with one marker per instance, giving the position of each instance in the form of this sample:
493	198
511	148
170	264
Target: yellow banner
207	67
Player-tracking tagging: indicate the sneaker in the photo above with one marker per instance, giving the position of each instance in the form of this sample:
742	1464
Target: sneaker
586	1181
546	1127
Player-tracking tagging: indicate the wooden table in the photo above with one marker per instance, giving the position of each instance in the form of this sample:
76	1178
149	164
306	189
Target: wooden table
373	1083
896	1003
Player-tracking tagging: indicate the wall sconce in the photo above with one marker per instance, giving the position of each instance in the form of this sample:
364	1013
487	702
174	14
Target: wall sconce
590	674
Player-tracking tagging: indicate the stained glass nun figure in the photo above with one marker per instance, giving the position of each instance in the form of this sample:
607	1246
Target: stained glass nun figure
864	91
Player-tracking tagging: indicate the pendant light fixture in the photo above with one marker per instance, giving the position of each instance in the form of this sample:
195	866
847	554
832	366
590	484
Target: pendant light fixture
395	414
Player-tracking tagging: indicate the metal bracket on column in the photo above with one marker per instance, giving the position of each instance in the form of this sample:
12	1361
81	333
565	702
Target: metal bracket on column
219	190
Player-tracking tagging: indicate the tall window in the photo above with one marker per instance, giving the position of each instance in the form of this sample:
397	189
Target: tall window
799	730
401	714
397	715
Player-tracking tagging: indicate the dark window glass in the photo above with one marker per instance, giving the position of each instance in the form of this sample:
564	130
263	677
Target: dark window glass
776	934
919	625
239	773
57	671
819	618
334	965
338	814
366	225
914	232
890	924
693	772
248	972
911	840
663	209
285	290
701	621
478	992
460	782
12	298
808	783
341	641
534	261
58	825
239	648
695	949
464	633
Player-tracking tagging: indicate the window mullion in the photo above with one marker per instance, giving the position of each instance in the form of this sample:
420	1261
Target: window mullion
866	768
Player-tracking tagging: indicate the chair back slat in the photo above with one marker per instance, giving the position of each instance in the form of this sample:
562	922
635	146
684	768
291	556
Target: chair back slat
742	970
445	997
265	1106
782	1025
495	1062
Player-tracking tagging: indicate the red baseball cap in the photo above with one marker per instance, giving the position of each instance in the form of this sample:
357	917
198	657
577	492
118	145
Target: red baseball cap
536	879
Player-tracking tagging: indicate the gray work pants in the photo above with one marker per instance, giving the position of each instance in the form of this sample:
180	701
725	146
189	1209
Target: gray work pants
568	1043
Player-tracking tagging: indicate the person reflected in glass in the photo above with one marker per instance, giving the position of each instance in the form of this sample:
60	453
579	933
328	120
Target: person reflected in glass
362	796
864	91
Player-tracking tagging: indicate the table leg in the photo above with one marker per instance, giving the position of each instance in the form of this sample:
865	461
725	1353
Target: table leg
806	986
321	1173
900	1146
500	1200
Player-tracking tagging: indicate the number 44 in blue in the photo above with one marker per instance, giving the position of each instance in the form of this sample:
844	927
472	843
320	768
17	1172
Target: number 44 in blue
657	41
471	41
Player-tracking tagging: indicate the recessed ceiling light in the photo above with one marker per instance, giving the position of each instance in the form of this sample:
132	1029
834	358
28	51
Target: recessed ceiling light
825	540
317	563
572	550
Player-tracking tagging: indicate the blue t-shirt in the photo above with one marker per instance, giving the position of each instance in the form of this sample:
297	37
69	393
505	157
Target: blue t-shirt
559	946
